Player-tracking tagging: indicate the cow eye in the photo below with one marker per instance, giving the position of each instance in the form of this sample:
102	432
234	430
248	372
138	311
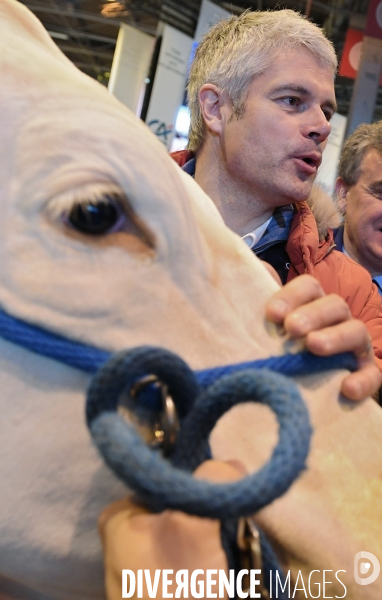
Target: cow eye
98	210
95	218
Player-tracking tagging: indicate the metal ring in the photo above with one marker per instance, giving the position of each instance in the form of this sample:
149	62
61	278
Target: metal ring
165	432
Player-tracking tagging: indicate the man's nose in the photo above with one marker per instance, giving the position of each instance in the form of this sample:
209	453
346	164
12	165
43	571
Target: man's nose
318	126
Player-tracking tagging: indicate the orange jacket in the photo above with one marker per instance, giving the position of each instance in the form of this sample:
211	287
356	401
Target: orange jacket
337	273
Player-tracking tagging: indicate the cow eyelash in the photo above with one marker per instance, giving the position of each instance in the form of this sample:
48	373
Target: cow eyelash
62	204
97	210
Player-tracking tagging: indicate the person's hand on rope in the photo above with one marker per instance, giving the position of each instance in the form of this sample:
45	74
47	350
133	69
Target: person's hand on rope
327	326
134	538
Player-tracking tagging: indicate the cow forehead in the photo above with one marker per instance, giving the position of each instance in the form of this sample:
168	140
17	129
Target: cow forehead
62	127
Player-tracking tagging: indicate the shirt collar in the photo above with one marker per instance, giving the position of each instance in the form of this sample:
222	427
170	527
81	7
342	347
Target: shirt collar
189	167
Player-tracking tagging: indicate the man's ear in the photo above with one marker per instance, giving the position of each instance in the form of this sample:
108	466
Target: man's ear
215	107
341	191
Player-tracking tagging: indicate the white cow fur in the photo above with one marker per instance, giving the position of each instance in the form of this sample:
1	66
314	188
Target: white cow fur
198	291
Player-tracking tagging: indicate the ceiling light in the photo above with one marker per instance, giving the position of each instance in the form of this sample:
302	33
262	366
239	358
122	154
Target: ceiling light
114	9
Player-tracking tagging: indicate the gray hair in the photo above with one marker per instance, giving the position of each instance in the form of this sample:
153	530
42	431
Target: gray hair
237	49
364	138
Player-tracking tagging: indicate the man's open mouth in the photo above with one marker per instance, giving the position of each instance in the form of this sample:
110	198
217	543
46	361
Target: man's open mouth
313	160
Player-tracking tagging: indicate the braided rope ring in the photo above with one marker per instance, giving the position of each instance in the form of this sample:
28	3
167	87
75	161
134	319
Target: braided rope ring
161	485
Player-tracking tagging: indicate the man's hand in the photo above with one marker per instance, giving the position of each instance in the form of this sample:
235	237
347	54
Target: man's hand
134	538
326	324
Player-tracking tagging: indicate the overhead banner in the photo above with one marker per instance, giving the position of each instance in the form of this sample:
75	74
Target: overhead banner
169	84
130	66
368	78
327	172
374	20
209	14
351	55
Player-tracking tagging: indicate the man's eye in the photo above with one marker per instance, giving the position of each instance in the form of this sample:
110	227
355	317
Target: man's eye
94	218
292	101
376	192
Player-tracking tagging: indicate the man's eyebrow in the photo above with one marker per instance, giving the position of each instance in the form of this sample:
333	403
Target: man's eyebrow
299	89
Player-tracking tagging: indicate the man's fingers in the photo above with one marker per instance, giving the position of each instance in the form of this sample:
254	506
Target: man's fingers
327	327
368	379
295	294
318	314
348	336
363	383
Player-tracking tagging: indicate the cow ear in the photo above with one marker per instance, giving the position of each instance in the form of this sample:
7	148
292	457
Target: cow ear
215	106
341	191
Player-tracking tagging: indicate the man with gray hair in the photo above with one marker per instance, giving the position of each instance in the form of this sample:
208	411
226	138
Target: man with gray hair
359	195
261	96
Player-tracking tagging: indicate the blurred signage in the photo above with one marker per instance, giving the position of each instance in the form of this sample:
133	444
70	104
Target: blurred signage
168	89
131	62
209	14
374	20
351	55
327	173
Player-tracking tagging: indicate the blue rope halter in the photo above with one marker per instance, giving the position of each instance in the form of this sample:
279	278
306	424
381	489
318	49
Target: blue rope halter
90	359
200	398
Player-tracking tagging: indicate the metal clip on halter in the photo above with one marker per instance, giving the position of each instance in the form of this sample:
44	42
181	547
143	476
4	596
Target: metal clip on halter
165	430
248	541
